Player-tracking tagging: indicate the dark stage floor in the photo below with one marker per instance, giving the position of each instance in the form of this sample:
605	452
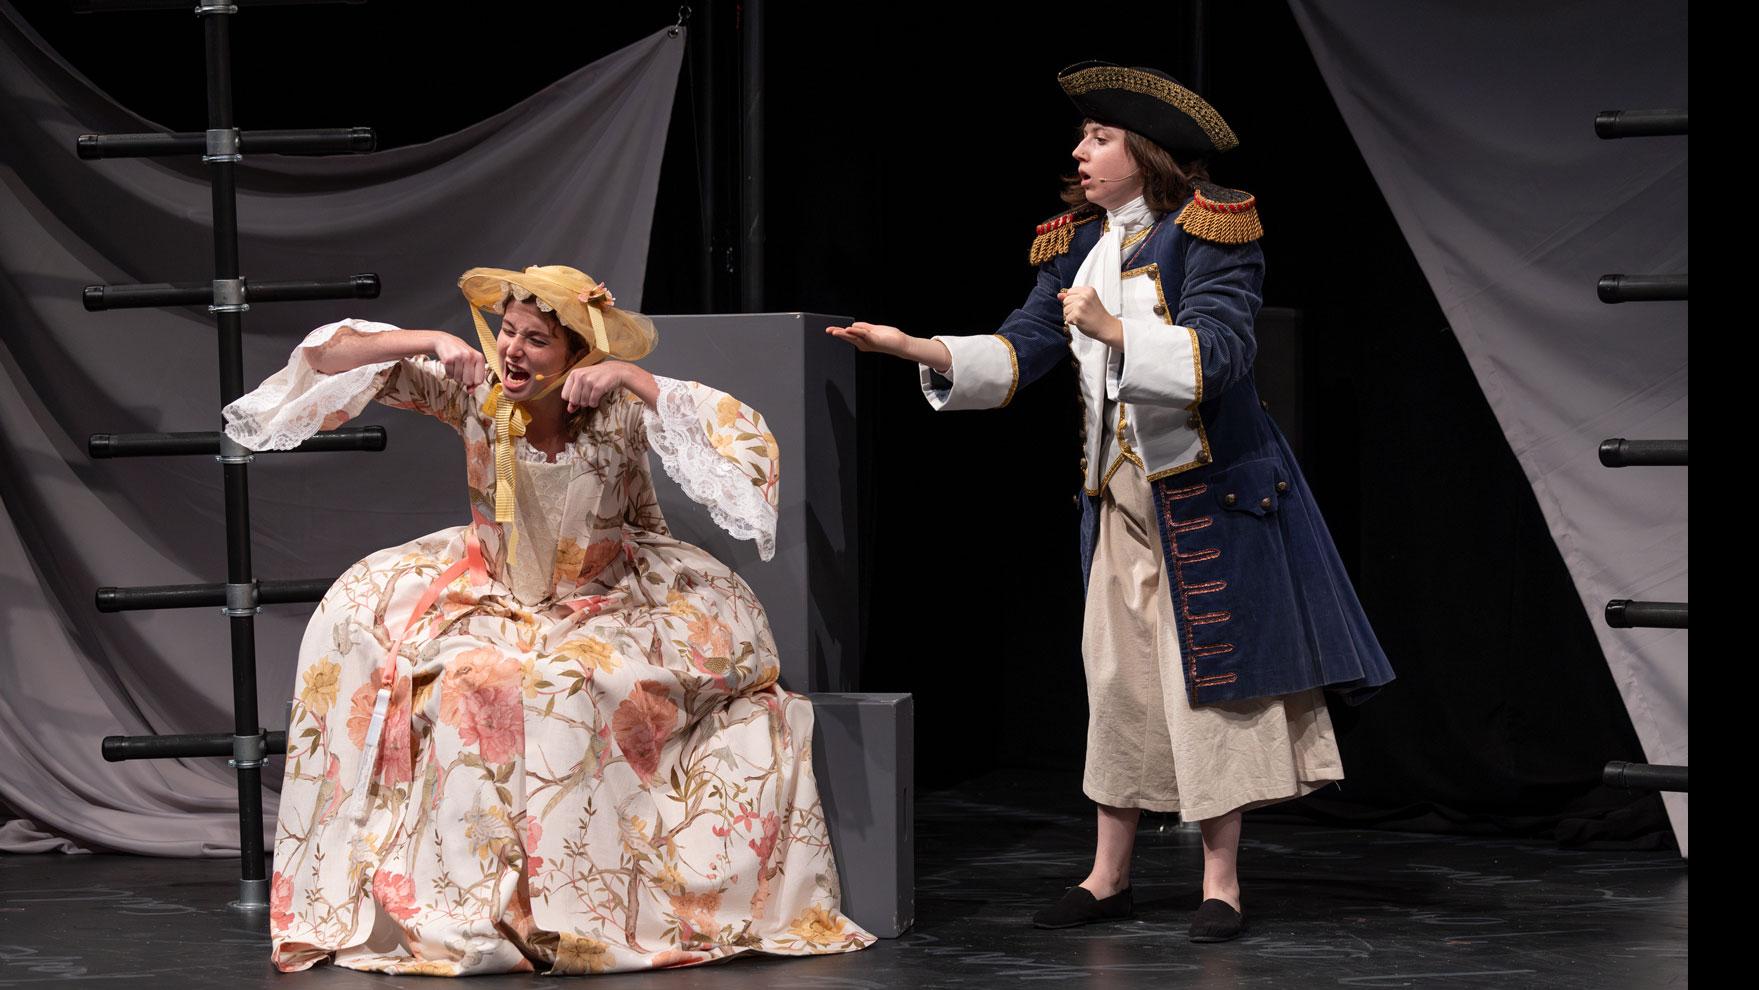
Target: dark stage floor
1326	906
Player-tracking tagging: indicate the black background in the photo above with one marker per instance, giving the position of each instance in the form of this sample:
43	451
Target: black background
910	149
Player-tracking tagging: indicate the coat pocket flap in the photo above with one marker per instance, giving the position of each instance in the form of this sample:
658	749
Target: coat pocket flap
1257	487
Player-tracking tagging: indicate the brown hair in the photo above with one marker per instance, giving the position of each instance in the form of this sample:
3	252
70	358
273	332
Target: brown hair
1165	183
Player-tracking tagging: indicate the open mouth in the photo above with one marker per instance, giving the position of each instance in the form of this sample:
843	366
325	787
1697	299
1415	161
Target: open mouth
517	377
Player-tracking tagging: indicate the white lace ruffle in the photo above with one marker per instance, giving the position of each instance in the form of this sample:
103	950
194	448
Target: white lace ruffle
531	455
675	431
292	404
524	294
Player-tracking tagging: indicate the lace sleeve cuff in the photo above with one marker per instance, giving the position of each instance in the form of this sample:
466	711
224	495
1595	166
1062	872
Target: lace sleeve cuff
298	401
720	452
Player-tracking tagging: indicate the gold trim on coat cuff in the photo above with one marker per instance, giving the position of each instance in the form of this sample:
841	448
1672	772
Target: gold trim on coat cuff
1013	366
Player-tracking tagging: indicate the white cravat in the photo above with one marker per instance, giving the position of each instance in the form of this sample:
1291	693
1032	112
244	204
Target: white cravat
1103	267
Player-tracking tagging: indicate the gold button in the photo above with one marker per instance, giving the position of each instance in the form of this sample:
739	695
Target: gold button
1264	503
1193	422
1203	458
1160	309
1282	486
1230	498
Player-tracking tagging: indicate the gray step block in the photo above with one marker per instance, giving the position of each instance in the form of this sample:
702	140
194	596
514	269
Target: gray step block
863	754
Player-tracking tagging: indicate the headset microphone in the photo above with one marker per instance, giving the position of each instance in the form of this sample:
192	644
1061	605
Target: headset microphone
1119	178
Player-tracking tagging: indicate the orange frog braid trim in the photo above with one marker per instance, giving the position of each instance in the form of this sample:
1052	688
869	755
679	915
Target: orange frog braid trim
1217	213
1055	234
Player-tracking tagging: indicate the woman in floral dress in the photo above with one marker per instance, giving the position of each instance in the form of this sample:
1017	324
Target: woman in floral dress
582	761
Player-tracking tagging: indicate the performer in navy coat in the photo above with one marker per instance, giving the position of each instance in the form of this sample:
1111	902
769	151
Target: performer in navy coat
1219	642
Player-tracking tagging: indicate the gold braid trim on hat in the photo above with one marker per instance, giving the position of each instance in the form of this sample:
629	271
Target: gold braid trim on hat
1165	90
1212	219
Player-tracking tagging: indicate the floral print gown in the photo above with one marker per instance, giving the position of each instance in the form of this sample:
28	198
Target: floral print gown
588	765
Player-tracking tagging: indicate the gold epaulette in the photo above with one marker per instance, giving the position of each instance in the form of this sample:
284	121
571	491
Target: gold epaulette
1055	234
1217	213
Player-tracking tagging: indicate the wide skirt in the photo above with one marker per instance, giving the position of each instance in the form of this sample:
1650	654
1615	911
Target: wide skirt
613	782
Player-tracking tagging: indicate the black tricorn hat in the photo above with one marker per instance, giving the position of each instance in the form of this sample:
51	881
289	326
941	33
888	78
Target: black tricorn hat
1151	103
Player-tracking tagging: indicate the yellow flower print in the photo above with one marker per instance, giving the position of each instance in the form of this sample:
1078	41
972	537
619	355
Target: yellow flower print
669	879
679	605
723	444
590	651
322	681
727	411
577	954
817	927
570	555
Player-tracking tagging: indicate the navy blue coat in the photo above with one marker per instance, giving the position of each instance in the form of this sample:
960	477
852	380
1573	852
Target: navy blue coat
1262	601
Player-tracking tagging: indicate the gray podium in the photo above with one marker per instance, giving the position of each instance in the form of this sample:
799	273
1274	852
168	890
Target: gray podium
804	383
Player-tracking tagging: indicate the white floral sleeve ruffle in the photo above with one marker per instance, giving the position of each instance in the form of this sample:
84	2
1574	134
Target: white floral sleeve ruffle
298	401
722	453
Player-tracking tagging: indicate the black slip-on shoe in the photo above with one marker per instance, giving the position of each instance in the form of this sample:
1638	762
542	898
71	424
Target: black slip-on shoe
1216	921
1080	907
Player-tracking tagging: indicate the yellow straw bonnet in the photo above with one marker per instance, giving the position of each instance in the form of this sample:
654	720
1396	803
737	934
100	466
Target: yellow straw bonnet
612	332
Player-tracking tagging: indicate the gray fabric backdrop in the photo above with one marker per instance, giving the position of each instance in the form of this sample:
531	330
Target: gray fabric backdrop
569	175
1477	122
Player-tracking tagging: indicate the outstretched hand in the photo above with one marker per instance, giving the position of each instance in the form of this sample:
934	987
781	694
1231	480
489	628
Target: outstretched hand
874	337
890	340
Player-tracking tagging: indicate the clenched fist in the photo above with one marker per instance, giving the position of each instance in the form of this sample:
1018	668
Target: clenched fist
1083	311
464	363
589	385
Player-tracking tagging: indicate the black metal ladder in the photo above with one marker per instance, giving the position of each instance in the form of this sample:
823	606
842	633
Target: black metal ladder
228	296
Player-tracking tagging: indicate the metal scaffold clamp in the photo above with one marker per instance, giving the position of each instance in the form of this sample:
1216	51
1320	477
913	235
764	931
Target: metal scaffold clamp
233	452
229	296
241	600
222	145
249	751
205	7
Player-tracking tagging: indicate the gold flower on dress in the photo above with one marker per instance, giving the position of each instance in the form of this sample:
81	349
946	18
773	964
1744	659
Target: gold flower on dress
679	605
817	926
569	556
668	879
727	411
590	652
322	682
577	954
